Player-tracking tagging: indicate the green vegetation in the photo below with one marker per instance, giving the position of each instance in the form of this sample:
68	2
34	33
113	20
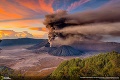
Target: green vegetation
5	71
16	75
102	65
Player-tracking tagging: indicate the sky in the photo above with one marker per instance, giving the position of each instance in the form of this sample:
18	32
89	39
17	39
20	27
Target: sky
24	18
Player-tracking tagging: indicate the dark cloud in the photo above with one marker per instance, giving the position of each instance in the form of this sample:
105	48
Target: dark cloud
87	25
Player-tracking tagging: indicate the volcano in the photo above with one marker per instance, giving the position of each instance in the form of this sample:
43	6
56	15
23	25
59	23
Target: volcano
75	48
65	50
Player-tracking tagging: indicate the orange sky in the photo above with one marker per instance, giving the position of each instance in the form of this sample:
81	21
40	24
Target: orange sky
23	18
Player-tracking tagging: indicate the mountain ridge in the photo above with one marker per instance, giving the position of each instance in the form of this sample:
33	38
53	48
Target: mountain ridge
19	41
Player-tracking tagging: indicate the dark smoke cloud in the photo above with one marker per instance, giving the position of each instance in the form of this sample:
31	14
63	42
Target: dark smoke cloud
112	29
87	25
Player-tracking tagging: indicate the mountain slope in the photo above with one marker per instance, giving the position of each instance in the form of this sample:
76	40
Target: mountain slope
96	46
65	50
86	46
43	43
20	41
101	65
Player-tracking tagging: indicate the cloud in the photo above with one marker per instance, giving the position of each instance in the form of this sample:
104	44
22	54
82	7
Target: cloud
76	4
23	34
6	34
112	29
10	34
30	4
44	29
24	9
20	24
46	6
5	15
11	11
38	29
35	28
39	6
38	36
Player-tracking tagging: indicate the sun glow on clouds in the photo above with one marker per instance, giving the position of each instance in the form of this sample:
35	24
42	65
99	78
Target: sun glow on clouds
8	34
18	18
22	9
18	28
24	18
22	33
13	34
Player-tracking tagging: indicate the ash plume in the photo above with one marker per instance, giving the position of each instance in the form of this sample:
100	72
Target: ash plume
84	26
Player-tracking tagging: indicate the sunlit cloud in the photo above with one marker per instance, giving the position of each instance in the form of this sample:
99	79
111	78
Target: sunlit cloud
4	15
31	4
38	28
23	34
35	28
44	29
76	4
5	34
9	11
8	34
46	6
24	9
38	36
20	24
18	28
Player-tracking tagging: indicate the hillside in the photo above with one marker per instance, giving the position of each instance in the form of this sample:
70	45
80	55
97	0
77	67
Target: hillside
65	50
98	46
101	65
20	41
43	43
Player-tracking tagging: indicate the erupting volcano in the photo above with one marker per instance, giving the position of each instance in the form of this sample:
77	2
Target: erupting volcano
92	25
